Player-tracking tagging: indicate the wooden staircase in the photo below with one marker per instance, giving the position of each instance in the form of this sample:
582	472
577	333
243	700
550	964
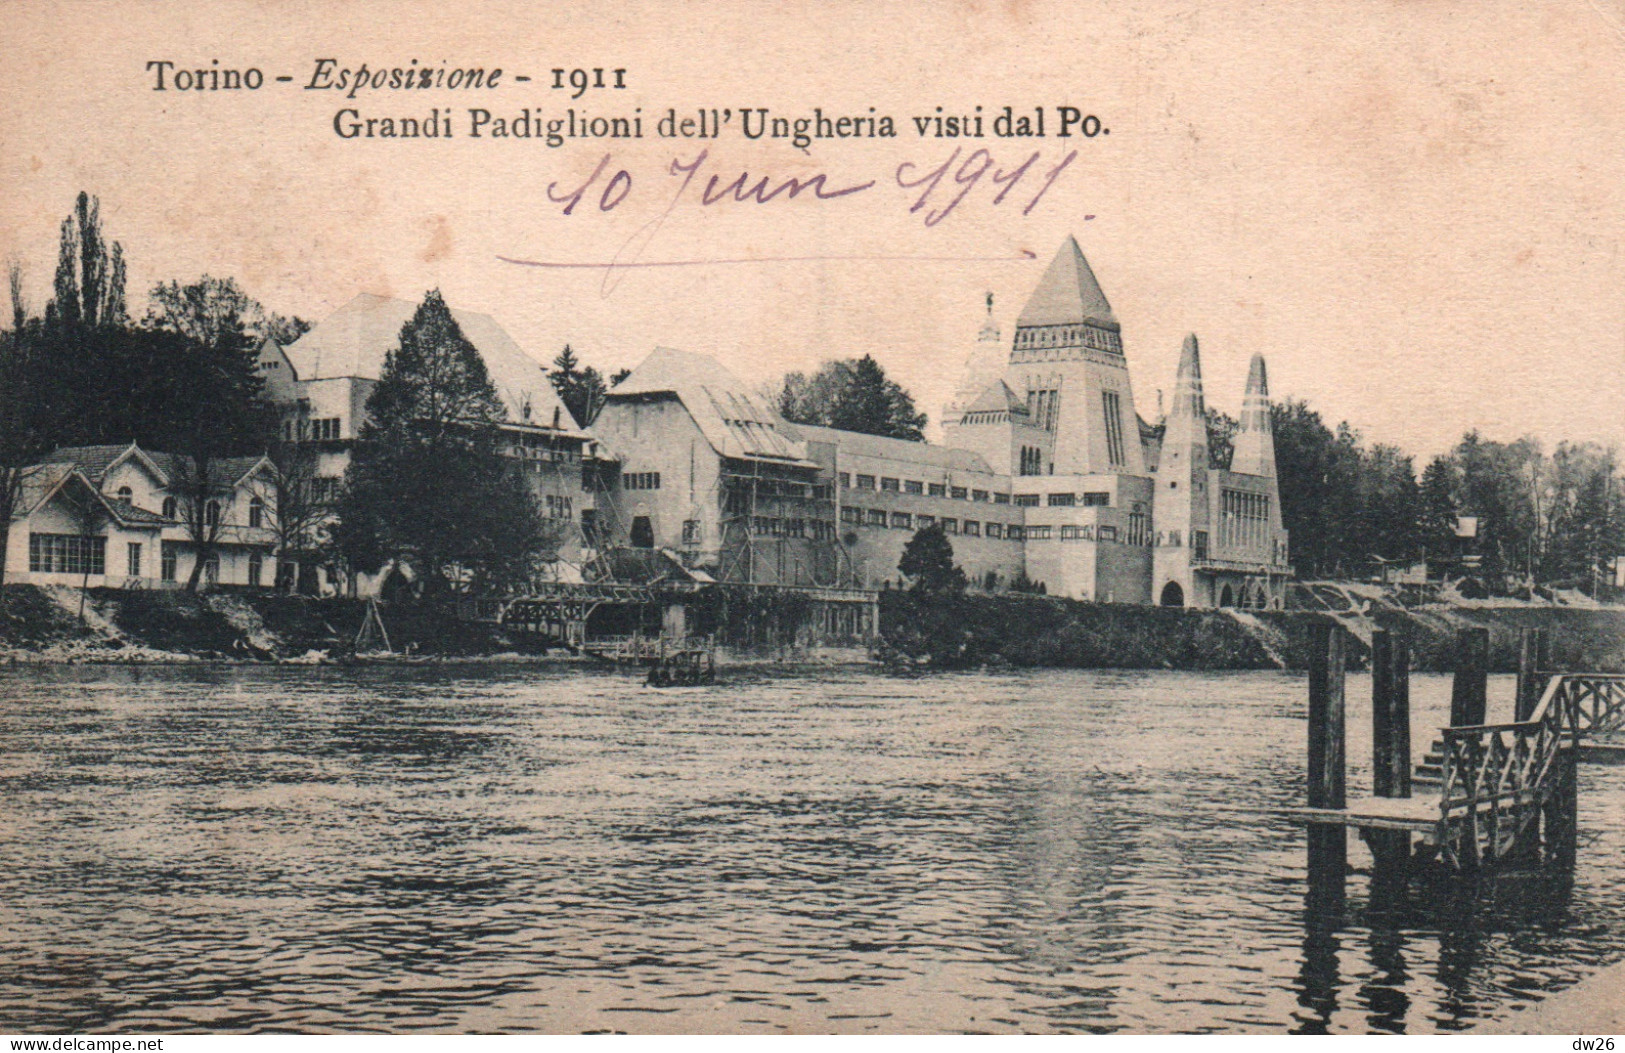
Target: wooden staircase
1430	770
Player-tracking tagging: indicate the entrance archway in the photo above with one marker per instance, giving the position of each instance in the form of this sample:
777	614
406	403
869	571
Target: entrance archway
1228	598
1172	595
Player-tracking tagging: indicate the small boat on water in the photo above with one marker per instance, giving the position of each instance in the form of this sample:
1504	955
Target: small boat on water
684	667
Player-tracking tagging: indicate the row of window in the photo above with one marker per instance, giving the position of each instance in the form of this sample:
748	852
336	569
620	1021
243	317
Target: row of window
640	480
743	489
1199	542
211	511
1044	408
772	526
66	554
1060	336
909	486
1090	500
1244	520
1139	532
877	517
319	429
913	486
544	454
559	507
76	554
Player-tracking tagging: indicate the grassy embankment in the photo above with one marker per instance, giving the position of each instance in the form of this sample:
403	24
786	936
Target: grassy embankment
137	625
968	631
973	630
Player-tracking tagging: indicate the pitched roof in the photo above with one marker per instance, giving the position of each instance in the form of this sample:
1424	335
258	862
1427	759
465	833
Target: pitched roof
93	461
903	451
224	472
354	340
734	421
44	481
129	513
38	484
998	398
1068	293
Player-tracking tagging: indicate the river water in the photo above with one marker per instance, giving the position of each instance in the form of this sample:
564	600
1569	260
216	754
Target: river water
504	848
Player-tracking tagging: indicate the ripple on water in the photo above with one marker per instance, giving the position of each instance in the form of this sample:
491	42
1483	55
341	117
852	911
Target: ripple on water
393	850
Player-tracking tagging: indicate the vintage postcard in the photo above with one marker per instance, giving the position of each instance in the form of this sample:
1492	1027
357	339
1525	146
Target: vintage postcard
993	516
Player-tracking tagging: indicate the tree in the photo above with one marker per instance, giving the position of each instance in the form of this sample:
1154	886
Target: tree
1387	504
209	308
1580	528
928	562
1314	482
1436	509
24	422
428	486
1221	438
220	414
1499	484
284	329
805	399
853	395
89	282
582	390
299	508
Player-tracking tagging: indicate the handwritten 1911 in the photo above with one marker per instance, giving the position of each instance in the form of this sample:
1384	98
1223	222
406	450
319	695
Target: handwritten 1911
935	188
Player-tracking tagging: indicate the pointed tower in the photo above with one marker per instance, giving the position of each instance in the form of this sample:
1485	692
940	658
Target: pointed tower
1181	508
1255	440
1067	363
983	366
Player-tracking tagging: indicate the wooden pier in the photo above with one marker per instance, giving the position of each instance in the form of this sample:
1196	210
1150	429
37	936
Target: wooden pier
1487	793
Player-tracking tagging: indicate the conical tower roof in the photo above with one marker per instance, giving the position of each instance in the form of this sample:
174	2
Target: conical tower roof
1255	441
1068	293
1188	401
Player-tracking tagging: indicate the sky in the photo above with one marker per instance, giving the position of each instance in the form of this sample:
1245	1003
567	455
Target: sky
1412	210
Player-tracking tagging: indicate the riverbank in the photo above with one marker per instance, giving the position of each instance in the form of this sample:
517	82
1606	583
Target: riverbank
1594	1006
67	625
971	631
57	624
61	625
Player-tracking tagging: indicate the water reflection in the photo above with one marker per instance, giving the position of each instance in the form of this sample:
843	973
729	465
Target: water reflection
519	849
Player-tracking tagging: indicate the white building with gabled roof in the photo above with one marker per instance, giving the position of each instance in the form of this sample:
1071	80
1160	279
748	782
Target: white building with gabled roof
117	516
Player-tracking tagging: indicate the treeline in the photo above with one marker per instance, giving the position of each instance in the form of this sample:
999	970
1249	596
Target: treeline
1552	519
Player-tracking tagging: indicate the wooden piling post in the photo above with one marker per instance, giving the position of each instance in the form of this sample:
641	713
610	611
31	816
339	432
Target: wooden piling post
1326	743
1390	755
1390	715
1328	843
1561	812
1469	688
1528	665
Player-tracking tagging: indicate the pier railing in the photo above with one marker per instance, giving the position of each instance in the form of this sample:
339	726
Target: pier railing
638	648
1599	700
1497	777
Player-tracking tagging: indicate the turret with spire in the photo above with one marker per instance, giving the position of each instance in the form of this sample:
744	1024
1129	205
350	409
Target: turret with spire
1182	509
1255	439
1184	443
984	366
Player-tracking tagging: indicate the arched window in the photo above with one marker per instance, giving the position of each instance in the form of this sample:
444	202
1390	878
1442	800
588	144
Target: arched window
1173	595
211	515
256	512
125	494
169	508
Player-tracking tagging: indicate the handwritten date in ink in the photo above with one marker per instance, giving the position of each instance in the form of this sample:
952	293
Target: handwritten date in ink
932	188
